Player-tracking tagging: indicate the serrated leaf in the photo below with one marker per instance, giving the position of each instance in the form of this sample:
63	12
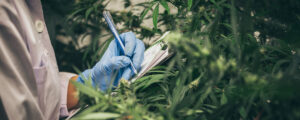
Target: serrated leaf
165	5
155	16
223	99
99	116
190	3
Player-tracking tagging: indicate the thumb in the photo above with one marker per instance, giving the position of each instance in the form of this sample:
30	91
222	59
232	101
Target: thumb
118	62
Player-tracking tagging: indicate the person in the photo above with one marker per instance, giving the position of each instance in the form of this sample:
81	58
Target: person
31	86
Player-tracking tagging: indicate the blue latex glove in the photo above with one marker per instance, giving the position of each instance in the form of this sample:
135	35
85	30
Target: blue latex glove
113	65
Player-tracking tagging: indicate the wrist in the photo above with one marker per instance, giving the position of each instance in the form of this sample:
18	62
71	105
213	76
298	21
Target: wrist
72	98
85	75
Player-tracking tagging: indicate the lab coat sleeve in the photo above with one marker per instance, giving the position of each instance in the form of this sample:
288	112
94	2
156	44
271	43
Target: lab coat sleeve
18	89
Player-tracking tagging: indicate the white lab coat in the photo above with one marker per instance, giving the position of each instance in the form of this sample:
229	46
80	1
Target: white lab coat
31	87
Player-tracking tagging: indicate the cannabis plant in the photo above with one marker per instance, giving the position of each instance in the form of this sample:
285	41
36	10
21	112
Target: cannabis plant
232	60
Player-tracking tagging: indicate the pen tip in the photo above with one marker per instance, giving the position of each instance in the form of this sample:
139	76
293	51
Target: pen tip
135	72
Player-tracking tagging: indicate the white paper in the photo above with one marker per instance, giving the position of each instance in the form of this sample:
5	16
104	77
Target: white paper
153	56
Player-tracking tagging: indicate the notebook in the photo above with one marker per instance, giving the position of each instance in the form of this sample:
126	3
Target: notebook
154	55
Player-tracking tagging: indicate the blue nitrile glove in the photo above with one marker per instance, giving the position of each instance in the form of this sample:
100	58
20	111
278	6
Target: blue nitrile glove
113	65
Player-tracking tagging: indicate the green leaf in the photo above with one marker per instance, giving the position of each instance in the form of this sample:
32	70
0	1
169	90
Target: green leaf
210	106
91	109
88	12
99	116
223	99
155	16
214	2
190	3
146	81
243	112
234	24
156	98
165	5
141	80
154	79
190	112
207	110
72	15
179	93
145	11
86	90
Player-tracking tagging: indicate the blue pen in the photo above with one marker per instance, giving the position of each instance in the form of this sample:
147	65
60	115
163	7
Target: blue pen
114	31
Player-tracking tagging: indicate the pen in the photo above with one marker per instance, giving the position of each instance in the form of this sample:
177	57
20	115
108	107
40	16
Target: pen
114	31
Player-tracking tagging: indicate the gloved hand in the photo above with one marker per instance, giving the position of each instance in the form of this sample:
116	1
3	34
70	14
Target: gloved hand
115	66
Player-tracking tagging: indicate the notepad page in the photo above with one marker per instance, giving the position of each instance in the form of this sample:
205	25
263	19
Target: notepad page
152	57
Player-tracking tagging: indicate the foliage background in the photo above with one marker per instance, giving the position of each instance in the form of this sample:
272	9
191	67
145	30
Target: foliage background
233	59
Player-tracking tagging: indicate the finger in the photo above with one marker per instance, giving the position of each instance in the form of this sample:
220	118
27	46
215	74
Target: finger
110	51
129	40
137	60
84	76
128	73
138	56
116	63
